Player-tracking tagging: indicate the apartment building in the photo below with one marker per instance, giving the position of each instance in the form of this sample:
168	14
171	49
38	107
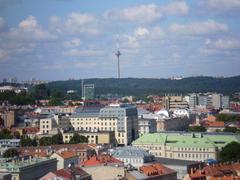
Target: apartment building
122	119
47	126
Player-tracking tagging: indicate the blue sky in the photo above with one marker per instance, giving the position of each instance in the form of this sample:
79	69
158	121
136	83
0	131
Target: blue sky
61	39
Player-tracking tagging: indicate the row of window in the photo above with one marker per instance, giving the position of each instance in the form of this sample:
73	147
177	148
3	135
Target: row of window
193	156
93	128
110	124
192	149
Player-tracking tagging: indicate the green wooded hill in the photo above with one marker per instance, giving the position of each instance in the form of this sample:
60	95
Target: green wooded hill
146	86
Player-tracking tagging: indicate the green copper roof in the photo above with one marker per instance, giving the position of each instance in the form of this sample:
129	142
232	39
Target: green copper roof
187	139
16	166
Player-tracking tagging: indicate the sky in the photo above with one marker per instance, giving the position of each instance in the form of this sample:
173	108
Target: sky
62	39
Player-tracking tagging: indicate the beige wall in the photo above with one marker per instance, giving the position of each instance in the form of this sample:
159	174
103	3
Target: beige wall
105	124
105	172
183	153
93	137
45	126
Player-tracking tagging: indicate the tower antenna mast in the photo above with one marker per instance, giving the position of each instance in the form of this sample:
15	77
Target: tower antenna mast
118	53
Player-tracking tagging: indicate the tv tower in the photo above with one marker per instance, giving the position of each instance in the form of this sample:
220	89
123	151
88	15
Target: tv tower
118	55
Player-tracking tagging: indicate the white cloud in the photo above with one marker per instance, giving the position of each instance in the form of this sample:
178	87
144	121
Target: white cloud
3	54
141	32
81	23
220	46
80	65
147	12
75	23
221	5
72	43
28	48
79	53
2	24
142	35
223	44
175	8
30	29
227	44
198	28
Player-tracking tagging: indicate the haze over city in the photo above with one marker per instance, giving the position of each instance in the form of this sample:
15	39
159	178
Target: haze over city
61	39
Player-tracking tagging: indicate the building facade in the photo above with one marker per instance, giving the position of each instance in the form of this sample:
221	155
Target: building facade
121	119
88	91
101	137
32	168
146	126
65	158
185	146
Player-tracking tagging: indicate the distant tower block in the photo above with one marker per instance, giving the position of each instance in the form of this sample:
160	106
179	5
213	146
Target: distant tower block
118	53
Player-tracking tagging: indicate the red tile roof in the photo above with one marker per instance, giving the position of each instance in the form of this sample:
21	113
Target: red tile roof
218	170
215	124
67	154
69	173
30	130
101	159
155	169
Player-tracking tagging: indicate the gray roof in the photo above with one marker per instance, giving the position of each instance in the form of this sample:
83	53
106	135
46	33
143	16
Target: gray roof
86	112
177	162
130	152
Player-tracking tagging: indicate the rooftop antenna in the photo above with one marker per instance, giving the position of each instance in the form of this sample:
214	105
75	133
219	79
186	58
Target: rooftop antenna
82	82
118	55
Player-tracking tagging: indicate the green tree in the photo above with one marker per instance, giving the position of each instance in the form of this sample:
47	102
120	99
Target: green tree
196	129
78	139
230	152
228	117
56	94
45	141
230	129
55	102
5	134
57	138
16	135
27	141
41	92
10	153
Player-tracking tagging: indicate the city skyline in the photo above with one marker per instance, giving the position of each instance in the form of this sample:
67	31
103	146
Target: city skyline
60	39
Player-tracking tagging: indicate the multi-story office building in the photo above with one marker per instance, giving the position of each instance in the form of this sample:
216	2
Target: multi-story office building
216	100
193	100
122	119
88	91
205	100
225	102
176	102
185	146
127	121
213	100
